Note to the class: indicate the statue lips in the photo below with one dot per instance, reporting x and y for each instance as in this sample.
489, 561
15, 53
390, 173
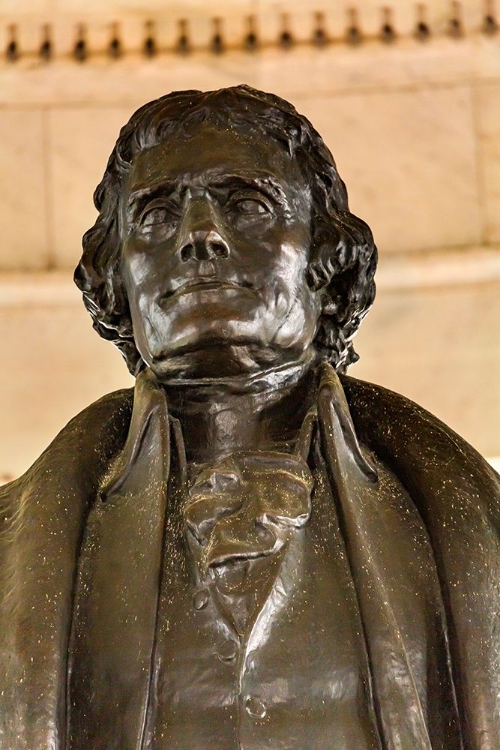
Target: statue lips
204, 285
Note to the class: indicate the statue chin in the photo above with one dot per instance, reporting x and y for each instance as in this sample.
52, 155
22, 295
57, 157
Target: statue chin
218, 360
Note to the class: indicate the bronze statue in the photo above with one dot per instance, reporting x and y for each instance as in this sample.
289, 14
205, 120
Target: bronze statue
250, 549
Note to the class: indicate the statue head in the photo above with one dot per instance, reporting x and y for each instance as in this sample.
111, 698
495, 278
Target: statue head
222, 217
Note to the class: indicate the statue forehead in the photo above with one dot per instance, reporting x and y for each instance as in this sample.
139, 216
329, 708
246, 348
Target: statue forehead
208, 149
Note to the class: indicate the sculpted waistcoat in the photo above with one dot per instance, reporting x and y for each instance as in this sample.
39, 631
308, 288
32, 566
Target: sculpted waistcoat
249, 656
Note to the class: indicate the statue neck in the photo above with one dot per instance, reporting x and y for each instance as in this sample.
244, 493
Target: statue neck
259, 412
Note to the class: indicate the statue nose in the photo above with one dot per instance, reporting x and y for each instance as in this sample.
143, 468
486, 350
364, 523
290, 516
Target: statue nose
204, 244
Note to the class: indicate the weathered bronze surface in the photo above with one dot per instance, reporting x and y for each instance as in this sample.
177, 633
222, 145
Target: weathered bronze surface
250, 550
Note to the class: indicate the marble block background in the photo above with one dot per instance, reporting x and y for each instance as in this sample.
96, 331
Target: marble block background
415, 131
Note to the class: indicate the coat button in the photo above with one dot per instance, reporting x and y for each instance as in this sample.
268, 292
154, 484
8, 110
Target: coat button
200, 599
255, 708
227, 651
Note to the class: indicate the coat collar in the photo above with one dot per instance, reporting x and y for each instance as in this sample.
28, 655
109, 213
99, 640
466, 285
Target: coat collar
118, 586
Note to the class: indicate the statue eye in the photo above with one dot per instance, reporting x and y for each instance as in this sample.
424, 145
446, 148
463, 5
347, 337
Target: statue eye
157, 215
250, 206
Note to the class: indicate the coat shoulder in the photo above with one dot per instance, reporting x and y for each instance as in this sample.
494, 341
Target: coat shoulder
411, 439
82, 450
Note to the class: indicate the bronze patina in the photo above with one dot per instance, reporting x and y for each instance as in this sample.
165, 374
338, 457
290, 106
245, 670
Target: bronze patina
250, 550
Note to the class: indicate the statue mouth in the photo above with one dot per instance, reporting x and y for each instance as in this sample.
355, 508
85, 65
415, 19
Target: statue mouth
205, 285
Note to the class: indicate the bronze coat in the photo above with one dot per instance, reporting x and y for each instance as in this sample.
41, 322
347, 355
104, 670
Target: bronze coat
91, 481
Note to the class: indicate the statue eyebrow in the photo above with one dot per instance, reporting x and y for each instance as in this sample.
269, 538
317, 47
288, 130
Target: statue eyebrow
141, 194
258, 181
262, 182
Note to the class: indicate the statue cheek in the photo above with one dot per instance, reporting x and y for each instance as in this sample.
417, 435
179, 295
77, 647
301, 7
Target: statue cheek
297, 317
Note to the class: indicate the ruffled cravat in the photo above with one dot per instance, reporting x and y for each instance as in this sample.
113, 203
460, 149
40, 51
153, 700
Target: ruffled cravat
239, 516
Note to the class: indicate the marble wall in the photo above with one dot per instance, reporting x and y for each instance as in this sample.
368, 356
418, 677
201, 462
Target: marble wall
415, 130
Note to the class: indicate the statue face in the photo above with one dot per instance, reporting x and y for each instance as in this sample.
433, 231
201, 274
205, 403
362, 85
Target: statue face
216, 237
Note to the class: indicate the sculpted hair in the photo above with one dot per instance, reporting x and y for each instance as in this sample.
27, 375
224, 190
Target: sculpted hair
343, 255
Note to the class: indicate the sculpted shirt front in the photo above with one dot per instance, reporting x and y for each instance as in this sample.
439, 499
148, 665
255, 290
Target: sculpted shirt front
260, 643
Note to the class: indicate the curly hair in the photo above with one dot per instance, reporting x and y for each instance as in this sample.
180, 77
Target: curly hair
343, 255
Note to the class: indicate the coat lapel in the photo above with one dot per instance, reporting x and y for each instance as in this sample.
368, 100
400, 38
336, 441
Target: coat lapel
458, 498
400, 608
118, 586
